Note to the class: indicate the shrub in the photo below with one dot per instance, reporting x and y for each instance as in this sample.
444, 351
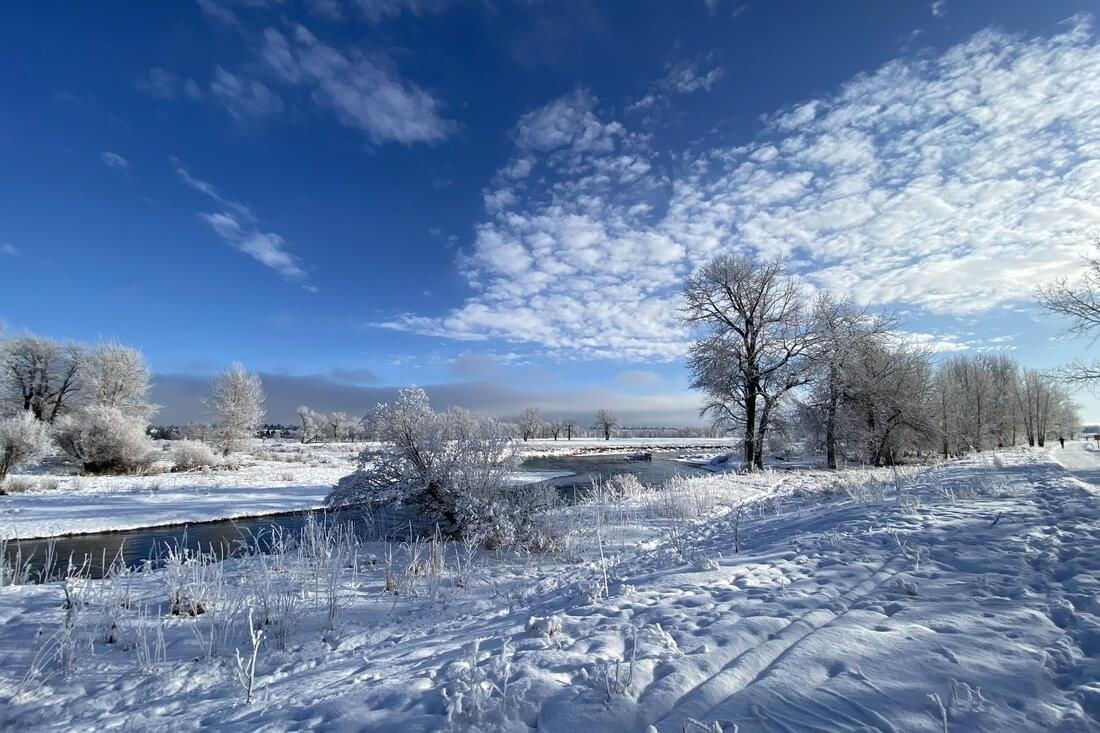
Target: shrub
191, 454
452, 466
23, 440
105, 440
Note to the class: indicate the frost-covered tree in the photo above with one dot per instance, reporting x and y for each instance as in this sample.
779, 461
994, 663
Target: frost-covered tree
452, 466
341, 426
237, 404
1045, 407
1078, 300
104, 439
112, 375
106, 432
312, 424
758, 335
24, 439
38, 375
196, 430
885, 412
606, 422
843, 332
530, 423
555, 427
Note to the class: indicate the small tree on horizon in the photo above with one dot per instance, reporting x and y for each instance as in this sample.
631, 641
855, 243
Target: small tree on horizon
570, 426
529, 423
606, 422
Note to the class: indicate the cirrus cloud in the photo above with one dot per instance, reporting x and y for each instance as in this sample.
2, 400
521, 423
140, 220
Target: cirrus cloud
364, 91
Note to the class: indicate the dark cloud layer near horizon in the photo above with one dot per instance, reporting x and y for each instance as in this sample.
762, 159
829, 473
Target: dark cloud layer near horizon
181, 399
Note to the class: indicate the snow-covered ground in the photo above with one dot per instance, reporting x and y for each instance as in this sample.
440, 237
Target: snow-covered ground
586, 446
964, 596
273, 478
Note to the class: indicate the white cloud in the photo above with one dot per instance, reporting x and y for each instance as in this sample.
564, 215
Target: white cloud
218, 11
9, 249
164, 84
379, 10
950, 184
236, 224
364, 92
567, 122
939, 8
328, 9
244, 98
683, 77
686, 78
114, 160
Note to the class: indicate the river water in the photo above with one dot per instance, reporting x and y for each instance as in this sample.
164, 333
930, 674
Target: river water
231, 536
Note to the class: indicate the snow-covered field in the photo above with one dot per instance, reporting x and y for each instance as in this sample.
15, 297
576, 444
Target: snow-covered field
964, 596
272, 478
587, 446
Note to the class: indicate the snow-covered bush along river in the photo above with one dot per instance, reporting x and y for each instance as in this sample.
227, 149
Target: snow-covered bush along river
572, 475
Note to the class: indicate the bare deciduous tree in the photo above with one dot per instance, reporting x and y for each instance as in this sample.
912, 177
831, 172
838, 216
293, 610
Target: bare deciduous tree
1079, 301
844, 331
606, 422
570, 427
759, 333
886, 401
39, 375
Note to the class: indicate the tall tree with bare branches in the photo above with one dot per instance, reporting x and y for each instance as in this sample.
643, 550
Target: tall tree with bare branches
39, 376
1079, 301
606, 422
758, 333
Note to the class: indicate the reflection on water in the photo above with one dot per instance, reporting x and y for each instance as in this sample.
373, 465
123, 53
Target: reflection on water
232, 536
586, 469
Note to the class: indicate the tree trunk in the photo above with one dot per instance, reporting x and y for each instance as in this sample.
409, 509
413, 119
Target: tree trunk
830, 432
750, 430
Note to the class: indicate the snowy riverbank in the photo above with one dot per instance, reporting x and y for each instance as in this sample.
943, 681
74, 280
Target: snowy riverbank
273, 478
964, 597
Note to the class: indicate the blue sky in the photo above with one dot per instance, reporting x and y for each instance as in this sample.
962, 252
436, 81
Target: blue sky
501, 198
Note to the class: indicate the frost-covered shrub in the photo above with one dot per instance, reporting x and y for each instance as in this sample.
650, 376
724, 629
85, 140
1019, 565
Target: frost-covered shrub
105, 440
625, 486
23, 440
452, 466
189, 455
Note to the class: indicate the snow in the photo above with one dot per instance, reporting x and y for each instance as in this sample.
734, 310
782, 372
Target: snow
274, 478
537, 447
964, 596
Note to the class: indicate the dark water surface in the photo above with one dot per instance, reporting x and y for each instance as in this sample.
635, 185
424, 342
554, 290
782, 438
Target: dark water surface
228, 537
